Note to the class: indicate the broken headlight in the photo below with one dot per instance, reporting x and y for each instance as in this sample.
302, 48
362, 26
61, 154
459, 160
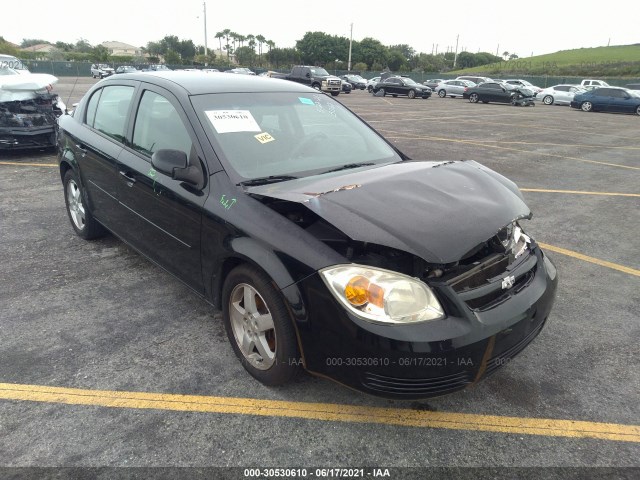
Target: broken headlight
382, 296
512, 239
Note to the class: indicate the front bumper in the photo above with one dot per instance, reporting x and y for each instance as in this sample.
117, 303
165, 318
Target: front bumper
21, 138
426, 359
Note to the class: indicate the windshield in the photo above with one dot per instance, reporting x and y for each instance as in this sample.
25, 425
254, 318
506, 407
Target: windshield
409, 81
320, 72
285, 133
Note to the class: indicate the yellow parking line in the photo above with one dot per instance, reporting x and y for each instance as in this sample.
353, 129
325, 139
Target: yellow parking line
21, 164
322, 411
579, 192
597, 261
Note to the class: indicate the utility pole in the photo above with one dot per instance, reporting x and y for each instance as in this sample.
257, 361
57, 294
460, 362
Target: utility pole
455, 57
497, 48
206, 53
350, 44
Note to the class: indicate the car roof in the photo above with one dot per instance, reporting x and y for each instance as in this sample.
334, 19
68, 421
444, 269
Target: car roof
195, 84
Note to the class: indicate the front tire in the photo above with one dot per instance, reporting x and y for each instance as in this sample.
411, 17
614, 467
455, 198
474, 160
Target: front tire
587, 106
335, 94
316, 86
259, 326
442, 93
80, 216
638, 110
473, 98
411, 94
548, 100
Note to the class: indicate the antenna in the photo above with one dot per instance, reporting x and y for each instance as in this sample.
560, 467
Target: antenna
66, 105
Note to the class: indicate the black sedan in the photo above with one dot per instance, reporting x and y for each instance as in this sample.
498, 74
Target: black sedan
491, 92
608, 99
395, 86
323, 245
356, 81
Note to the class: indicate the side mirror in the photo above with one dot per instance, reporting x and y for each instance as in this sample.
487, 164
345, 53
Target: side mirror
174, 163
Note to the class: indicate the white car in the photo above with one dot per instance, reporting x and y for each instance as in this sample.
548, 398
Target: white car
518, 82
559, 94
372, 83
101, 70
453, 88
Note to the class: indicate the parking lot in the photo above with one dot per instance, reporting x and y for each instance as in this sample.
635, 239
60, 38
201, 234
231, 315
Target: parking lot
109, 361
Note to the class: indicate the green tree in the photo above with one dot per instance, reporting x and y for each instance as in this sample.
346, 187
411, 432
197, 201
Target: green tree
246, 56
7, 48
283, 57
83, 46
260, 39
172, 57
220, 36
320, 48
372, 51
65, 47
187, 50
170, 42
30, 42
100, 53
396, 60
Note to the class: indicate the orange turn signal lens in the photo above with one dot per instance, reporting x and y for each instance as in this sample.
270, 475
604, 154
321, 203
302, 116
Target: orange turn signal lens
356, 291
360, 291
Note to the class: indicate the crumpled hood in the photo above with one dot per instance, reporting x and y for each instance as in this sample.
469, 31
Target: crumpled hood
436, 210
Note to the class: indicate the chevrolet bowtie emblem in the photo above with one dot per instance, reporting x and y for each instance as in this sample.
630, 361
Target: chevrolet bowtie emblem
507, 282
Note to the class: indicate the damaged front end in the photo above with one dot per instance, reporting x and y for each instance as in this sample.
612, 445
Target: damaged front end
30, 123
454, 227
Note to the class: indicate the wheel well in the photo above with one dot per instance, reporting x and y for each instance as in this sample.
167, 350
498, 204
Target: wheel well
64, 167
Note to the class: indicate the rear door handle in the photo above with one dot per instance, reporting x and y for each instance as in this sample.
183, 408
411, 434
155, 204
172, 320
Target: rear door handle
82, 148
129, 178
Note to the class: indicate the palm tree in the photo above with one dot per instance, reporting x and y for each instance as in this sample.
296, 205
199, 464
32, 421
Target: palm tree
227, 33
271, 44
241, 40
234, 38
219, 36
251, 41
261, 40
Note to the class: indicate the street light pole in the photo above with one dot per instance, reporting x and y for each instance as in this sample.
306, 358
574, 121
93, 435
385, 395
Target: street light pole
350, 43
206, 53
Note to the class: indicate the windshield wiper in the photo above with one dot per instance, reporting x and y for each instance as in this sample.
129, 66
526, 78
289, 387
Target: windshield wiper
349, 166
266, 180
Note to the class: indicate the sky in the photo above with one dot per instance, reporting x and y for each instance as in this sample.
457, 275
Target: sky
524, 27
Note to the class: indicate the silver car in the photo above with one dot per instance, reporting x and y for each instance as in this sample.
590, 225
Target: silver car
372, 83
559, 94
453, 88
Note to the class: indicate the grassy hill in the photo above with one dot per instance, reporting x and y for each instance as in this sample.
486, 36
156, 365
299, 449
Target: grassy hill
615, 61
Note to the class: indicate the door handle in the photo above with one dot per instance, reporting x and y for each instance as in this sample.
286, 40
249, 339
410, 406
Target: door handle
129, 178
82, 148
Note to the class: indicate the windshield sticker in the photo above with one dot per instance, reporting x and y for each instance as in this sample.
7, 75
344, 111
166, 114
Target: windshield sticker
306, 101
264, 137
228, 121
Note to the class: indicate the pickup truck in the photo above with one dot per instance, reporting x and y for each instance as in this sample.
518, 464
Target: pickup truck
315, 77
589, 83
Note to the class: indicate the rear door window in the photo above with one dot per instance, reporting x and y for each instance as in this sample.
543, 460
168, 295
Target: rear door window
112, 110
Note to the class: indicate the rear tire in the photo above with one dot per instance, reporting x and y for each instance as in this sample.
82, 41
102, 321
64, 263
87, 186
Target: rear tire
384, 94
80, 216
473, 98
259, 326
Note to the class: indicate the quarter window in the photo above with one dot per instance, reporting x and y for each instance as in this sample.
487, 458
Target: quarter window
158, 126
111, 111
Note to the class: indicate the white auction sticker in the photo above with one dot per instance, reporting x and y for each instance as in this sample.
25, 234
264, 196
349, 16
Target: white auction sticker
227, 121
